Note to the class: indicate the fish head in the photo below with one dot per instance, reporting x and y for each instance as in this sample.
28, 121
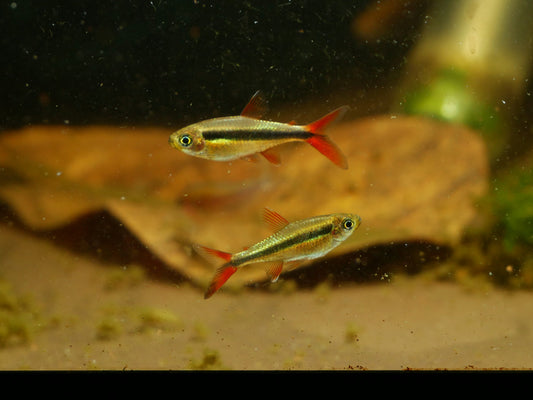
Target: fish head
344, 225
189, 140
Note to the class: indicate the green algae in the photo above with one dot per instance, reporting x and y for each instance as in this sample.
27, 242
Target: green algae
19, 317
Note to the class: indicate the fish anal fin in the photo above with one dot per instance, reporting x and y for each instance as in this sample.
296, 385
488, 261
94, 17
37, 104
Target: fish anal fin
221, 276
256, 107
274, 220
273, 270
272, 156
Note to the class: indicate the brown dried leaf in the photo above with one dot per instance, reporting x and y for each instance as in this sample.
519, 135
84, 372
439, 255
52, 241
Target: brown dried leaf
409, 179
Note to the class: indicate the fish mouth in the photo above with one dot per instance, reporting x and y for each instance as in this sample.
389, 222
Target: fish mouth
357, 221
172, 141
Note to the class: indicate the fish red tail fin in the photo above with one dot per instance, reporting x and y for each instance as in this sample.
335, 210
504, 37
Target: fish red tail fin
223, 273
322, 143
212, 255
221, 276
329, 149
320, 125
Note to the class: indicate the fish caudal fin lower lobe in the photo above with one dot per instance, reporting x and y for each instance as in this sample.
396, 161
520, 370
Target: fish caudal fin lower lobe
329, 149
221, 276
322, 143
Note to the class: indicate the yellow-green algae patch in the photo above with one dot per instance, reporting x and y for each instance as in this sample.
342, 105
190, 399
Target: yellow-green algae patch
19, 318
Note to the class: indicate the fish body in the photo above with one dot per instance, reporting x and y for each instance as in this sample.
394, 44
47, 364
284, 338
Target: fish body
245, 135
290, 244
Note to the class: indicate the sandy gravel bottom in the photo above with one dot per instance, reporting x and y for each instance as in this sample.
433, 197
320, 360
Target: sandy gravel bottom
409, 323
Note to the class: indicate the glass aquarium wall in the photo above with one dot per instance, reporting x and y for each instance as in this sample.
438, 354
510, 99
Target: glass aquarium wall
266, 185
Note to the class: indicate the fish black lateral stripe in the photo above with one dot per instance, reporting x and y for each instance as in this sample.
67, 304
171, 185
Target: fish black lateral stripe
286, 243
247, 135
290, 245
255, 134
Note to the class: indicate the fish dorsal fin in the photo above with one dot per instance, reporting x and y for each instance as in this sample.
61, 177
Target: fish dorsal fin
274, 220
256, 107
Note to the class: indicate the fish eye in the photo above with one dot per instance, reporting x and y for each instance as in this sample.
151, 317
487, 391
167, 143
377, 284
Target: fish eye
348, 224
185, 140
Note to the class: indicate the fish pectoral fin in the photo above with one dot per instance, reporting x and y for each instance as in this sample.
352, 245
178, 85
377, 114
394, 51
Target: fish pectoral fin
250, 158
273, 270
272, 156
290, 265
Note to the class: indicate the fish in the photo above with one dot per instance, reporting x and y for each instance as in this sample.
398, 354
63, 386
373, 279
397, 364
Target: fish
289, 245
246, 135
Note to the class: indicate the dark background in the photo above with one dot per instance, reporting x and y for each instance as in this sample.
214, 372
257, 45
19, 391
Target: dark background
170, 63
